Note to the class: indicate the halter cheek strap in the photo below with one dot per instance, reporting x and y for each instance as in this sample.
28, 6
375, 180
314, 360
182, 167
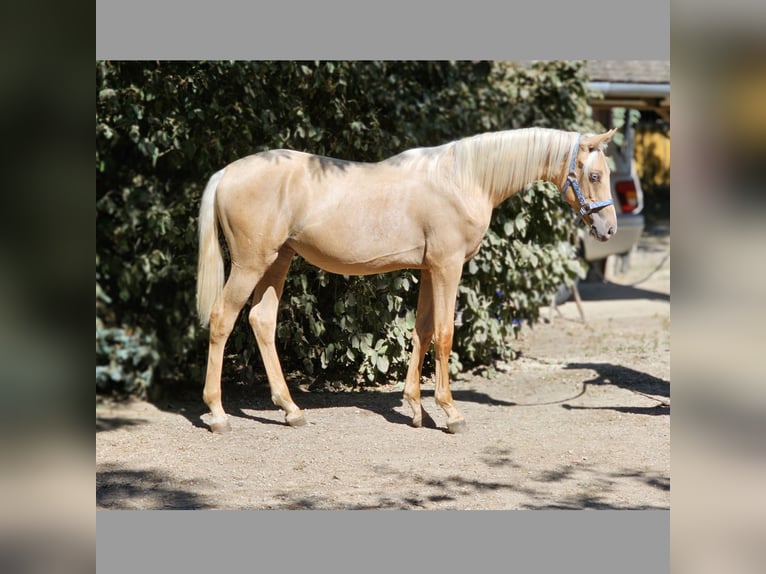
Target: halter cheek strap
586, 207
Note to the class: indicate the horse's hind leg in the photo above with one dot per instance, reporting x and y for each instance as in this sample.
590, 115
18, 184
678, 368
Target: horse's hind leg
421, 339
222, 318
263, 319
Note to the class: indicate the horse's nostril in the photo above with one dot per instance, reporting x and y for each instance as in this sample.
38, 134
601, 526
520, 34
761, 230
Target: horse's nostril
610, 232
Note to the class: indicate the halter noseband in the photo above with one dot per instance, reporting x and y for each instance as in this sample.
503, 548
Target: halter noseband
585, 206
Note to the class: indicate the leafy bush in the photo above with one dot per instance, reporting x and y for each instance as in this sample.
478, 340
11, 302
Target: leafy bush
125, 357
125, 361
163, 128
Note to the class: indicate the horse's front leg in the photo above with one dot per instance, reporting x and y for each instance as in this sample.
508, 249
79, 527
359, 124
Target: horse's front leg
445, 282
421, 339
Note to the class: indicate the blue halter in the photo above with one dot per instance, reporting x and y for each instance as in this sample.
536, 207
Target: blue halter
585, 206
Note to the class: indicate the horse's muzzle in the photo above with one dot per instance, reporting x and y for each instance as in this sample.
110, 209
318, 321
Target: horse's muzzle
602, 235
603, 224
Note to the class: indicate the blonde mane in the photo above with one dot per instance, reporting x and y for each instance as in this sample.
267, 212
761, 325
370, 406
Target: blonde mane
503, 163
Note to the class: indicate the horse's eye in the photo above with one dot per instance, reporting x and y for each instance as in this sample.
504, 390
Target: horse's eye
595, 177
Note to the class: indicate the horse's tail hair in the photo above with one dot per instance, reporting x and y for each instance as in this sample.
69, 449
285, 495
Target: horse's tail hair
210, 272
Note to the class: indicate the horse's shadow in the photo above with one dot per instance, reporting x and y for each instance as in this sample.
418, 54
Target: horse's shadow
630, 379
241, 399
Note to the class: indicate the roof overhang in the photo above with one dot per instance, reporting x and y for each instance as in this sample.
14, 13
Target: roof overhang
639, 96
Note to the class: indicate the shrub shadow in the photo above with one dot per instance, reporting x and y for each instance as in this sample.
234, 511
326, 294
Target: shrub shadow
113, 423
594, 490
125, 489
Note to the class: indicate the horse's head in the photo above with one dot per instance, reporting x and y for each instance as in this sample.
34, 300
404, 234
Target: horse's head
587, 187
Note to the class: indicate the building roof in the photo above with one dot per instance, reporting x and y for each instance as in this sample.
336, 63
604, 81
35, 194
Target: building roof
633, 71
636, 84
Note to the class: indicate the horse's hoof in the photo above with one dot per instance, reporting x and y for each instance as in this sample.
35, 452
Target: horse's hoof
295, 420
220, 427
417, 422
457, 427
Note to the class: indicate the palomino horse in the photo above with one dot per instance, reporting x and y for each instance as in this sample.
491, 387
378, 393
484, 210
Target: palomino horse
426, 209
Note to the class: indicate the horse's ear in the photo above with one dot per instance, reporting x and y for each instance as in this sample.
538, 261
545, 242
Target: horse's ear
609, 135
592, 142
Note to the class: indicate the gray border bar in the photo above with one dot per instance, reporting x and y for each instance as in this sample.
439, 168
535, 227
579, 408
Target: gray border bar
368, 541
342, 29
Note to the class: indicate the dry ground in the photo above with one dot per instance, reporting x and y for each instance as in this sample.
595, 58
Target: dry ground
580, 420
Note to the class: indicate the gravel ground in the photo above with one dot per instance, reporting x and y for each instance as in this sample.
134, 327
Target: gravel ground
580, 420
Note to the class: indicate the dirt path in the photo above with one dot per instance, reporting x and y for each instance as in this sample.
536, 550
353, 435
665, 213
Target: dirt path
581, 420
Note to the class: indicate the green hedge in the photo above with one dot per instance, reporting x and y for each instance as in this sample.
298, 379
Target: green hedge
163, 128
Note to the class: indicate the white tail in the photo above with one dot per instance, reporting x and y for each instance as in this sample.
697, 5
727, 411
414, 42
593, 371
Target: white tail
210, 273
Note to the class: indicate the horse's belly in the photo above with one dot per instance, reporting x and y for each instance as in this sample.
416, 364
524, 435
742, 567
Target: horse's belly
358, 257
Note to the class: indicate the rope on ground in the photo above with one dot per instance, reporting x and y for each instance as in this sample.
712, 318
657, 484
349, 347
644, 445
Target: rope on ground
643, 280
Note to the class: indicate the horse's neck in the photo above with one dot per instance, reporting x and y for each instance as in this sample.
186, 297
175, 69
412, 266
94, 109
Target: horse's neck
504, 194
501, 191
